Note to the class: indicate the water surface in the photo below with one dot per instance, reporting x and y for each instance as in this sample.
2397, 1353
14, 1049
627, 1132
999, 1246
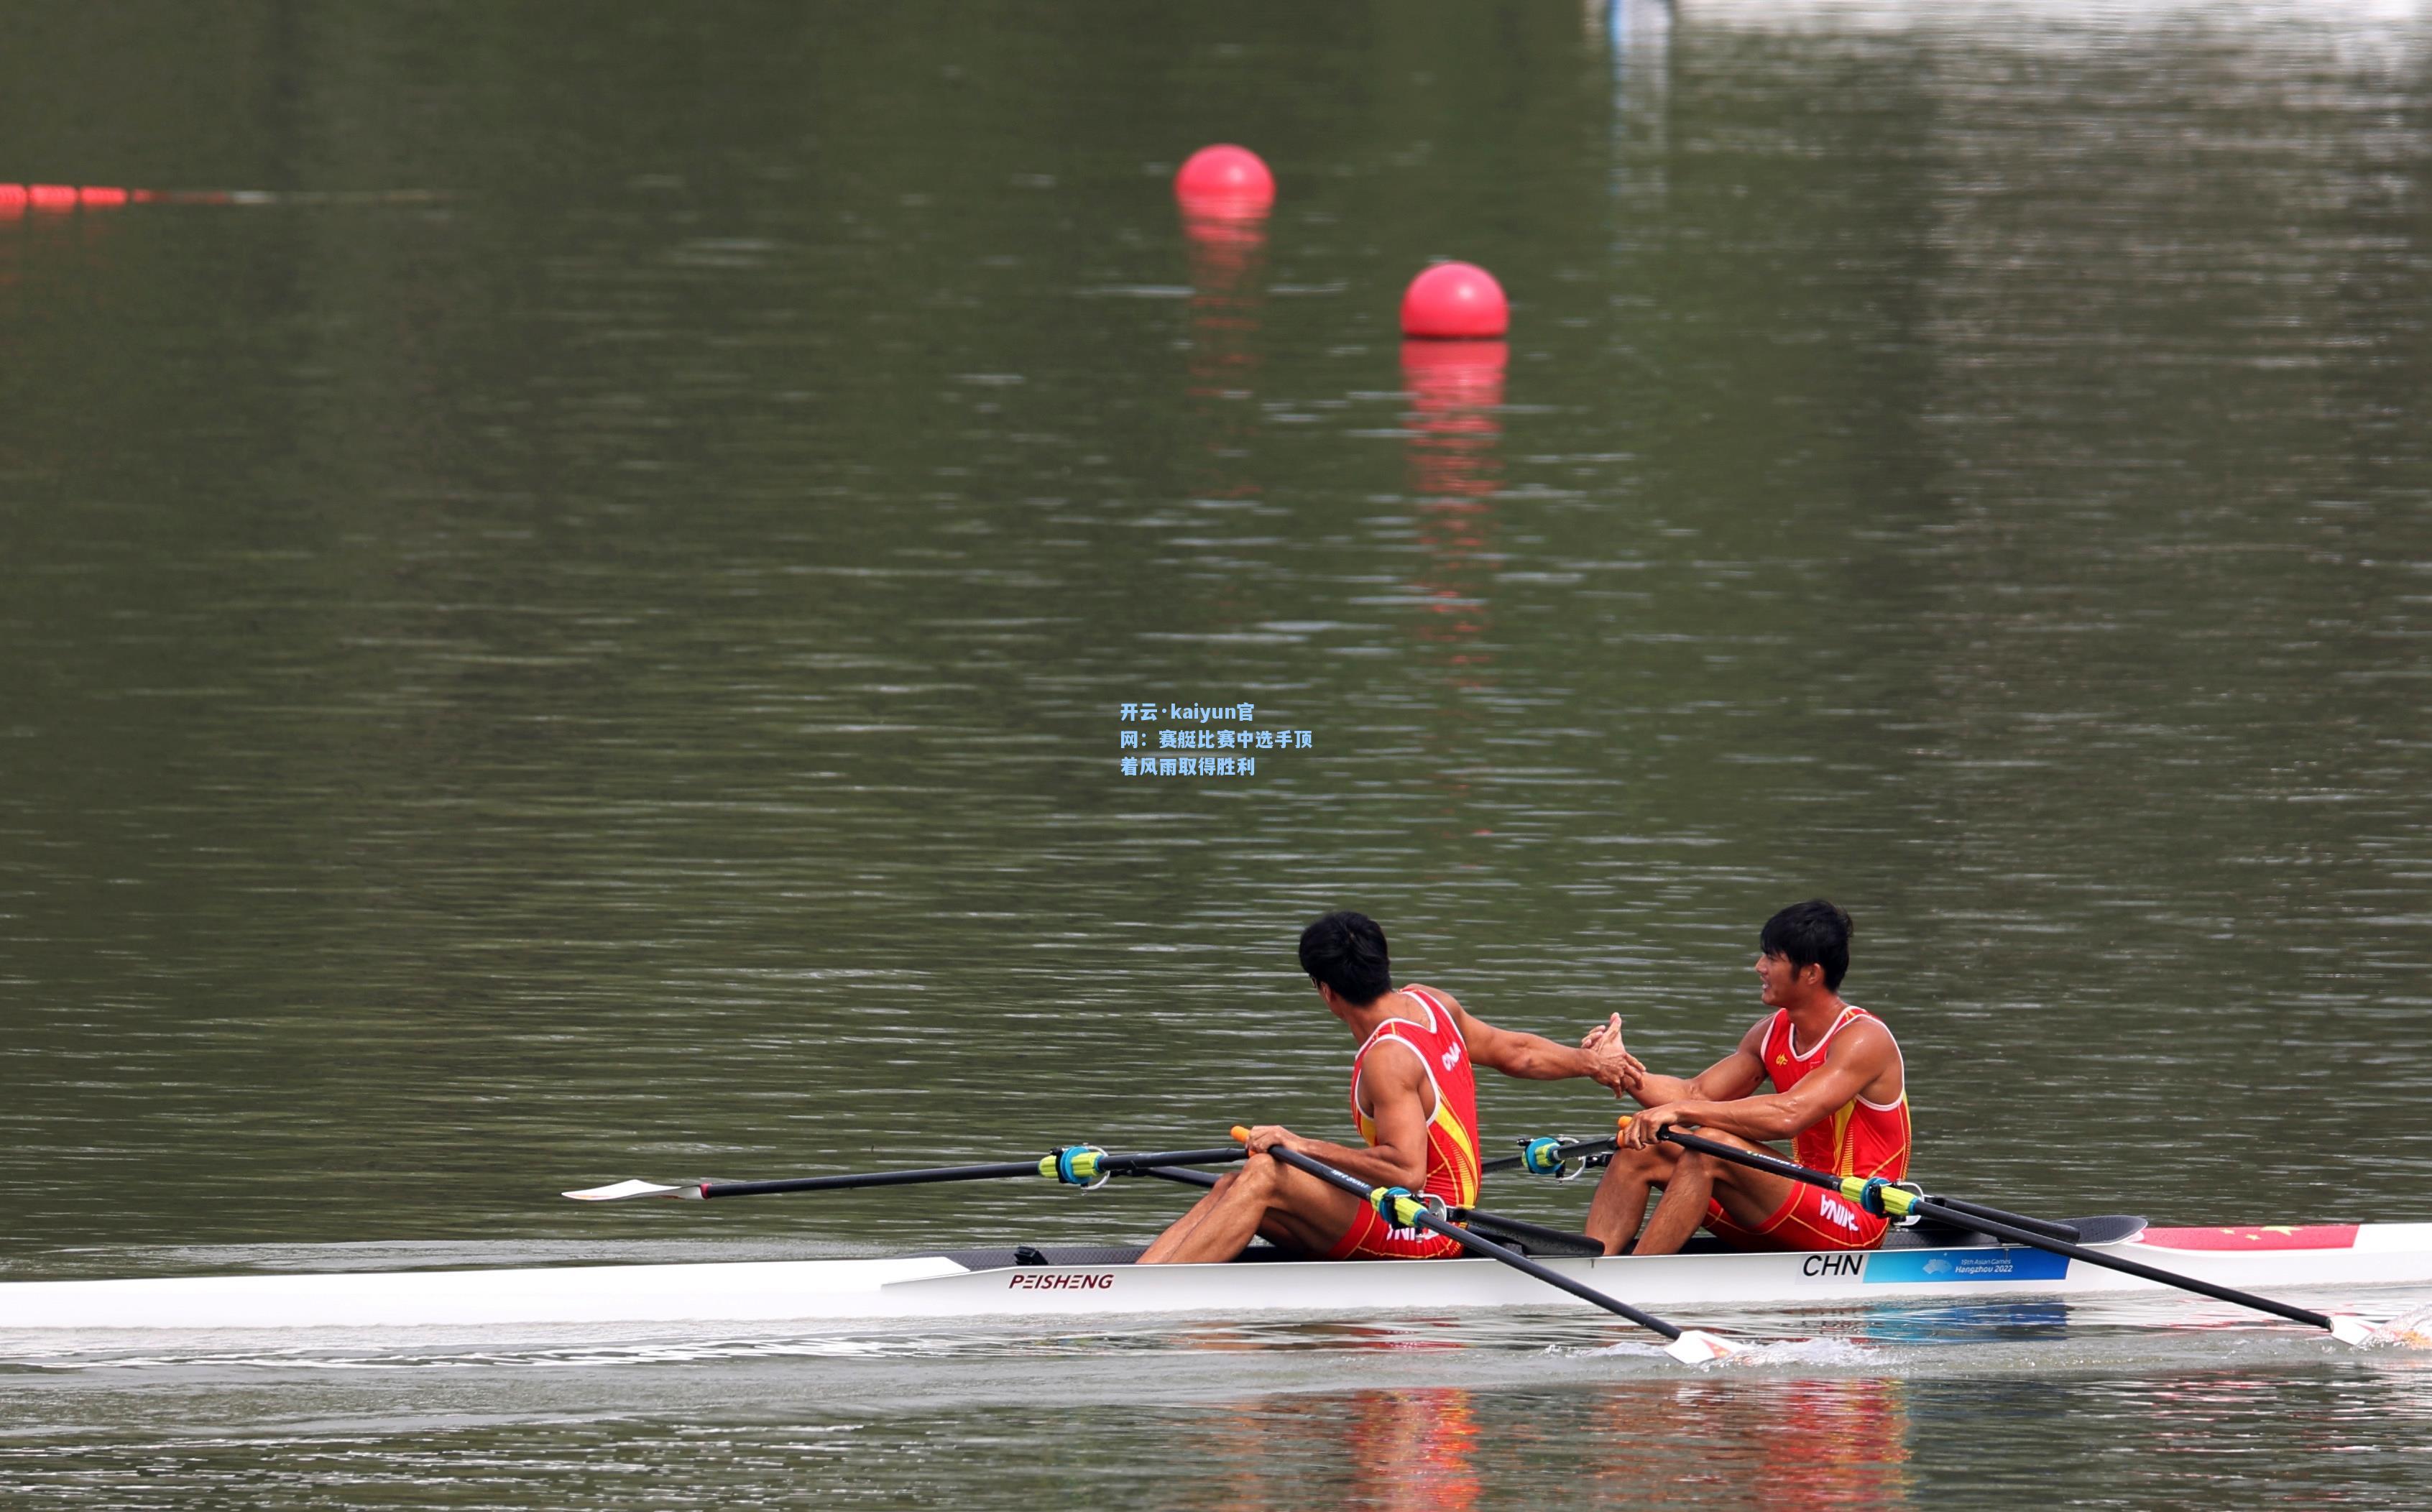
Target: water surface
586, 637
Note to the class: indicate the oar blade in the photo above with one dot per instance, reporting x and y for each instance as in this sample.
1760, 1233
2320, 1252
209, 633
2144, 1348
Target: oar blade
1696, 1347
2356, 1331
619, 1191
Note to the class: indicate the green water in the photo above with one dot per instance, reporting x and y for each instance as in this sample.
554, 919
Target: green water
587, 636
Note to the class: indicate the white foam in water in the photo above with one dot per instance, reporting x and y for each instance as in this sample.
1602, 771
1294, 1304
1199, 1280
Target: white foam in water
1751, 1353
2408, 1330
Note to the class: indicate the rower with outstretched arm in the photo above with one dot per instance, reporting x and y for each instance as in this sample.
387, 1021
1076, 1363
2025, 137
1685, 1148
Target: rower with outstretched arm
1416, 1103
1840, 1095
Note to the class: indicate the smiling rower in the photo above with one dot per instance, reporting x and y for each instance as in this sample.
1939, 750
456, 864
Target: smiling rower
1414, 1098
1840, 1095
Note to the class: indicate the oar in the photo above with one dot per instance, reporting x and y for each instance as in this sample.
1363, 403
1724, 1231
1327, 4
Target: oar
1546, 1156
1881, 1197
1073, 1165
1403, 1210
1497, 1225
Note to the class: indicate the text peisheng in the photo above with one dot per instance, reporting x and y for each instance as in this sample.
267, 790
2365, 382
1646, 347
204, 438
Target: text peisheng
1032, 1281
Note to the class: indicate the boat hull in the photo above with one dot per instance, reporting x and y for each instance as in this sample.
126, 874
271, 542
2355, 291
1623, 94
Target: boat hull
942, 1286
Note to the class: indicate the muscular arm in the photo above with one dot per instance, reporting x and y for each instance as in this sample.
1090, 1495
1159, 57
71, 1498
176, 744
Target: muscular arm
1397, 1092
1534, 1058
1861, 1055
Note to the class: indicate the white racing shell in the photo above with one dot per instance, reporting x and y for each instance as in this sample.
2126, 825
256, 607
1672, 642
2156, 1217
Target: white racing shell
2269, 1259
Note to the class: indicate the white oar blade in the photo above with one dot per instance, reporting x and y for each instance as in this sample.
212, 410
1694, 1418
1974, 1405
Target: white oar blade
2356, 1331
621, 1191
1695, 1348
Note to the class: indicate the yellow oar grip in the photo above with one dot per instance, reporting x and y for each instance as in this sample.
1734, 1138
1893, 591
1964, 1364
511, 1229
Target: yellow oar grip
1896, 1200
1396, 1206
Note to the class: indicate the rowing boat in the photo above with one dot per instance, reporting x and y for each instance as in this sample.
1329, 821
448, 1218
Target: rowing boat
1067, 1283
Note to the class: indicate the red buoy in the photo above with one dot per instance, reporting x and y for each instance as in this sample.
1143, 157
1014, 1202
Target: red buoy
51, 197
1225, 180
1455, 301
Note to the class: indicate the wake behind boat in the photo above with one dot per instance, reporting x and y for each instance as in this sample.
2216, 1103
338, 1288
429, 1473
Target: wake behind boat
1926, 1262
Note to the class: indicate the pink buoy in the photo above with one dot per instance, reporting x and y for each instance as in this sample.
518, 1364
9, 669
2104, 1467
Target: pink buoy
1455, 301
1225, 180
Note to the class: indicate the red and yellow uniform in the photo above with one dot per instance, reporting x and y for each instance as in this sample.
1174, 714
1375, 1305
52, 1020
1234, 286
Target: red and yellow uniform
1452, 1132
1859, 1139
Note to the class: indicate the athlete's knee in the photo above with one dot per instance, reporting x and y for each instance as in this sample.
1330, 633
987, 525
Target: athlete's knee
1258, 1173
1655, 1160
1730, 1172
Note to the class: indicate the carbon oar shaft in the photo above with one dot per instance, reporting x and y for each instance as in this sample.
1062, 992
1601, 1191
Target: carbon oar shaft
1994, 1229
1570, 1150
1758, 1159
1075, 1165
1107, 1164
1687, 1345
999, 1171
2012, 1233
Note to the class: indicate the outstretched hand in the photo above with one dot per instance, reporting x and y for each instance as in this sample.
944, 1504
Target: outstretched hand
1608, 1060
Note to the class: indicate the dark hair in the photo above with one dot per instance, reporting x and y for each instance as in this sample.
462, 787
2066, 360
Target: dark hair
1346, 952
1811, 933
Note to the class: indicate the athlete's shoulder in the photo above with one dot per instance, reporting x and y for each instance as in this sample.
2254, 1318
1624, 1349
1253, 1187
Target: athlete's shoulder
1394, 1069
1864, 1034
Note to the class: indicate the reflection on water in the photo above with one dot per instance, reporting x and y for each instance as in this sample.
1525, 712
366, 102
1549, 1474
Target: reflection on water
1811, 1443
1454, 389
1227, 260
1824, 1444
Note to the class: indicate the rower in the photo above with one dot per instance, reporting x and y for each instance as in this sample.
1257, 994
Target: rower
1840, 1095
1412, 1097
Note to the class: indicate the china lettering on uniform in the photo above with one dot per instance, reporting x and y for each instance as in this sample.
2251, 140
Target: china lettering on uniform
1838, 1214
1032, 1281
